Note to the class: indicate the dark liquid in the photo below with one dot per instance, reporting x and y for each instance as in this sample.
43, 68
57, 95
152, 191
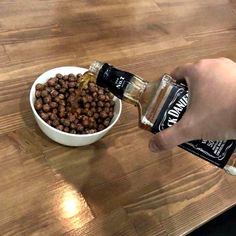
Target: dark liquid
83, 84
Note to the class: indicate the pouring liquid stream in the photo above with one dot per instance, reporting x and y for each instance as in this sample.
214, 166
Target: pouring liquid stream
83, 84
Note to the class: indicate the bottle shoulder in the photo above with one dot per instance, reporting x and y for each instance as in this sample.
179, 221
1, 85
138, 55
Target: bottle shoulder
153, 99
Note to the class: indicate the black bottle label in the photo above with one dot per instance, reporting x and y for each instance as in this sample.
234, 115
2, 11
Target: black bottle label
216, 152
113, 79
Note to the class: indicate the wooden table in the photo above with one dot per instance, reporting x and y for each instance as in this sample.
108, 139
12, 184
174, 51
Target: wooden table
115, 186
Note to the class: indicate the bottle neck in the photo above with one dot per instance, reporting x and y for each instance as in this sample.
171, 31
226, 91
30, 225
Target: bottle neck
122, 84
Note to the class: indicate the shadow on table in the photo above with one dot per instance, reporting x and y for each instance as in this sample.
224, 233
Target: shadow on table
90, 170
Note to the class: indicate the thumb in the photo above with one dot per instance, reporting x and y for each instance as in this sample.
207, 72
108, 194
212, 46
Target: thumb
169, 138
180, 73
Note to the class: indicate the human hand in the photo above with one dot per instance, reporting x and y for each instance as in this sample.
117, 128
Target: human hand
211, 112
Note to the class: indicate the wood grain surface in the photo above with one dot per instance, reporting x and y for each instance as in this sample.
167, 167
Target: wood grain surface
115, 186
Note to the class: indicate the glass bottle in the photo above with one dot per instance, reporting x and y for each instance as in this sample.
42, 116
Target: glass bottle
161, 104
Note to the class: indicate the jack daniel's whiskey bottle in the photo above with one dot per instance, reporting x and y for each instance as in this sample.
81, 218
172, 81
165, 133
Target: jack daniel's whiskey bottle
161, 104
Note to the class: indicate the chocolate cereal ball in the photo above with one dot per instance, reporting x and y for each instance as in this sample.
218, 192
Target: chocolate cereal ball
63, 105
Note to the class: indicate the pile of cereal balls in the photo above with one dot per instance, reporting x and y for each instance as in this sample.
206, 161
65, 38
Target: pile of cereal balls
55, 104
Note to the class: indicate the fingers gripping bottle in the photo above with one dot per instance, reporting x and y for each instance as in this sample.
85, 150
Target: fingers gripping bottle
161, 104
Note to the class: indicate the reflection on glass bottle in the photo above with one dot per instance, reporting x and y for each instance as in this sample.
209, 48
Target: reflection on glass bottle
161, 104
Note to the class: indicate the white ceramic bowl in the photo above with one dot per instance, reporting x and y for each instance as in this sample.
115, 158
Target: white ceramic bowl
62, 137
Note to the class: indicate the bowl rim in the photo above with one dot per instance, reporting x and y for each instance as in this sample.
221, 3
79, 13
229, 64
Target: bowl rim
59, 131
